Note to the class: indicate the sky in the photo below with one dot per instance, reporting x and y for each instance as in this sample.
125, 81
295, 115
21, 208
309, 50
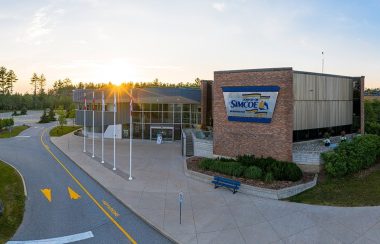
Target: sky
178, 41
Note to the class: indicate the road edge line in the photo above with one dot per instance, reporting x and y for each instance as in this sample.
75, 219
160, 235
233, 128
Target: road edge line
129, 237
22, 177
163, 232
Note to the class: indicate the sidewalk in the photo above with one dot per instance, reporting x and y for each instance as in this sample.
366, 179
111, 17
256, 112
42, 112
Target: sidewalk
212, 215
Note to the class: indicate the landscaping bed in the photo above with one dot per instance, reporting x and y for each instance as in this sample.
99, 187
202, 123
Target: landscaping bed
193, 164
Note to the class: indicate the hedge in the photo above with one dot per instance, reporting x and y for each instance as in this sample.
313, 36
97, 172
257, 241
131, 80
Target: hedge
352, 156
248, 166
6, 123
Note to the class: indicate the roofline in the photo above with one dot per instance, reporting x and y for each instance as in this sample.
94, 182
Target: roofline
329, 75
254, 70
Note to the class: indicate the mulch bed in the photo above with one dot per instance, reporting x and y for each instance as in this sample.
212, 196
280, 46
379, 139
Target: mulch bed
193, 164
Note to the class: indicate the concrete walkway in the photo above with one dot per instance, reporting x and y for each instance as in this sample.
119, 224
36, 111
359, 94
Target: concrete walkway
209, 215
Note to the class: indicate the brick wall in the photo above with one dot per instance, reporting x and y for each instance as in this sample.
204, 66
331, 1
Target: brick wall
238, 138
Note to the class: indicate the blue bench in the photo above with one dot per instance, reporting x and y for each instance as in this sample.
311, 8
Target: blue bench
227, 183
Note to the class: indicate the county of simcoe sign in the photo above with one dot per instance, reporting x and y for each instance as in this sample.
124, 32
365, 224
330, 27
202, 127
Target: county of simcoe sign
250, 103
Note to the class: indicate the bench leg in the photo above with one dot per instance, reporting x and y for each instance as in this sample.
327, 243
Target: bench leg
234, 191
216, 186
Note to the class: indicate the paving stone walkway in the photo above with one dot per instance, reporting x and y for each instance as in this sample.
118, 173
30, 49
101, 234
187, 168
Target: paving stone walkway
212, 215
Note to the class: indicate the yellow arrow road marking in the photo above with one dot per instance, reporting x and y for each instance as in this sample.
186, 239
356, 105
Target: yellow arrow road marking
87, 192
73, 194
47, 193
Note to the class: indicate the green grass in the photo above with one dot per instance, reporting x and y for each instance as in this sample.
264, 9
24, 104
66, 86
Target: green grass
12, 196
62, 130
352, 191
16, 130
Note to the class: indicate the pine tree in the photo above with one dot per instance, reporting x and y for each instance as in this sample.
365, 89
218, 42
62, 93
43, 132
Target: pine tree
41, 84
11, 78
3, 80
34, 82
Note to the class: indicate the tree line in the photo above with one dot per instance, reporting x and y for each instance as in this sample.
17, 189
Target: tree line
60, 95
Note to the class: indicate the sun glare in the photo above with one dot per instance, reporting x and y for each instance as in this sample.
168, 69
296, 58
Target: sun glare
116, 72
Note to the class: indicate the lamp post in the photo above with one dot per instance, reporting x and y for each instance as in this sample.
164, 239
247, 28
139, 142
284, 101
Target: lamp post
130, 135
84, 123
114, 130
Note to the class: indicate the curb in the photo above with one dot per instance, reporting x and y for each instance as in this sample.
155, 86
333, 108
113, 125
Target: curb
22, 177
254, 190
163, 232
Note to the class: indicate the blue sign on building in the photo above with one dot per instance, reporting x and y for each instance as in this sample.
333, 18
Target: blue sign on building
250, 103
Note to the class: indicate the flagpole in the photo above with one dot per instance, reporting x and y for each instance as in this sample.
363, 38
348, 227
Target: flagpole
114, 131
103, 107
130, 136
84, 123
323, 61
93, 124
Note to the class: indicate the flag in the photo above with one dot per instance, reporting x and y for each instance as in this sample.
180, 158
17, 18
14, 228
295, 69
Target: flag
85, 102
103, 105
114, 103
93, 100
131, 106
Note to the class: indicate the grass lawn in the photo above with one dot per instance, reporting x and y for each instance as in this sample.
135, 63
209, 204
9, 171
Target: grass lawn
62, 130
358, 190
16, 130
12, 196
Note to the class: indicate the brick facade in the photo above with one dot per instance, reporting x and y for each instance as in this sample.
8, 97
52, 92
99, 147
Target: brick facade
239, 138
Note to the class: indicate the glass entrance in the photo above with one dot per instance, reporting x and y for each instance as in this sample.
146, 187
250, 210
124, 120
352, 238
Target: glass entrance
166, 132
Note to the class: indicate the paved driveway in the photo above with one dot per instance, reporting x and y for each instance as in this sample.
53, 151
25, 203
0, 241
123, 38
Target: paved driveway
209, 215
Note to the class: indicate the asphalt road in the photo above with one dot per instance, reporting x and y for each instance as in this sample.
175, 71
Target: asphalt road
96, 213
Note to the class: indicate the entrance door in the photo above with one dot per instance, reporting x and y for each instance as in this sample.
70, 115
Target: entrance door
166, 132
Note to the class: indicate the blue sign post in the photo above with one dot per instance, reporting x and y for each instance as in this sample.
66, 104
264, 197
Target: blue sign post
180, 199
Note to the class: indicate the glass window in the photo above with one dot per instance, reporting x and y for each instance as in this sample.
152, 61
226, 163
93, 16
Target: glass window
185, 117
136, 116
146, 106
177, 117
146, 117
136, 107
177, 107
156, 117
155, 107
165, 107
168, 117
186, 107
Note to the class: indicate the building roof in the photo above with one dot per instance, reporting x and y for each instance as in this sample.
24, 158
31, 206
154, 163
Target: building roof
143, 95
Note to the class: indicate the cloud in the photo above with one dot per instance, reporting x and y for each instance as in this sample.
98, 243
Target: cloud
219, 7
43, 22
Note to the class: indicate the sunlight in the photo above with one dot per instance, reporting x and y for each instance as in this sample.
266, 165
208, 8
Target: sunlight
116, 71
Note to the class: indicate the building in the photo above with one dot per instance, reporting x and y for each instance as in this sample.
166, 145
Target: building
257, 111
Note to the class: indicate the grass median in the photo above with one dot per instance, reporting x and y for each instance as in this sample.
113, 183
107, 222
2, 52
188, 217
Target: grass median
13, 199
15, 131
62, 130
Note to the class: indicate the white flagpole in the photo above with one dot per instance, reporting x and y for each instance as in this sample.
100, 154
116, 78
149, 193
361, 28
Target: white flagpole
103, 108
114, 131
130, 136
84, 123
93, 125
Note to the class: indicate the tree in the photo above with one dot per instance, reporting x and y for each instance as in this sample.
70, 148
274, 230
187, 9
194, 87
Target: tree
34, 82
61, 117
3, 80
11, 78
197, 82
41, 84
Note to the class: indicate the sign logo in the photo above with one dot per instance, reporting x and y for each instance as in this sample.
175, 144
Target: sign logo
250, 103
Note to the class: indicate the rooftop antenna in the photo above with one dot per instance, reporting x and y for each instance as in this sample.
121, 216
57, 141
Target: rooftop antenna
323, 61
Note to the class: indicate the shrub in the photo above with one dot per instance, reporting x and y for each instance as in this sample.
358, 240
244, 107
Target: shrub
206, 163
268, 177
350, 157
246, 160
291, 172
253, 172
23, 111
6, 123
